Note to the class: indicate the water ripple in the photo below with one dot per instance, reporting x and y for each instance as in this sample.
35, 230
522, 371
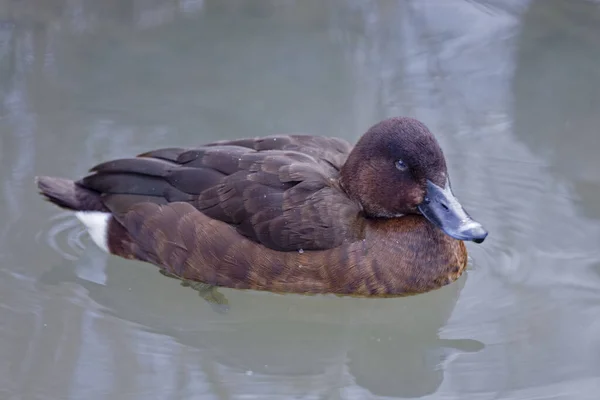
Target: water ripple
64, 235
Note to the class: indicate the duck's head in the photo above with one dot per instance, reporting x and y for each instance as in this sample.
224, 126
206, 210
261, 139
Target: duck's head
398, 168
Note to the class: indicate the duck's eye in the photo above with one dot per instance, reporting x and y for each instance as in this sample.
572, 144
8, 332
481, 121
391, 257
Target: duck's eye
401, 165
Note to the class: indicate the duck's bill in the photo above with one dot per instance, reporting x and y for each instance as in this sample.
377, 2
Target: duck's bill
443, 210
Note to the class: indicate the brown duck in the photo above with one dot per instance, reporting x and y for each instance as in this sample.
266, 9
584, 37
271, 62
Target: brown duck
295, 213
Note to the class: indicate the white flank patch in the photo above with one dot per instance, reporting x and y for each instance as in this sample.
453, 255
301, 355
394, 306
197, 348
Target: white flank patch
96, 223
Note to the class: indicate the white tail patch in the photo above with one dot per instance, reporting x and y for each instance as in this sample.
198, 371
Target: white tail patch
96, 223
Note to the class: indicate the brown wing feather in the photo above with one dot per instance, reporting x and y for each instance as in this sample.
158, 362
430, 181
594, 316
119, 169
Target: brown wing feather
280, 191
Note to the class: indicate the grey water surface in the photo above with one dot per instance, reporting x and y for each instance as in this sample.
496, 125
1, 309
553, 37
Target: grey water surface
512, 91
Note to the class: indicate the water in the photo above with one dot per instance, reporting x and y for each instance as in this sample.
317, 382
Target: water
512, 91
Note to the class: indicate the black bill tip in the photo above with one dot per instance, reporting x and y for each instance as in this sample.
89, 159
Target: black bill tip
473, 231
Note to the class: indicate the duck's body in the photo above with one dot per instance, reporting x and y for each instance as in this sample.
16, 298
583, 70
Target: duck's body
302, 214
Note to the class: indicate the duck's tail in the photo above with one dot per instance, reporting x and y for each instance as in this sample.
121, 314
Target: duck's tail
67, 194
86, 203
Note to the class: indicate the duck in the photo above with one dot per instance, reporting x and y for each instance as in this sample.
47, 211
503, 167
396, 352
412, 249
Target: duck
286, 213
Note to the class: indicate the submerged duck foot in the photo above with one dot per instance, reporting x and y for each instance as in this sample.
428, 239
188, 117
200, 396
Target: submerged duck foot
211, 295
208, 292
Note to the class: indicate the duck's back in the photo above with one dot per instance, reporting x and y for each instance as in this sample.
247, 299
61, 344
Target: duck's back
279, 191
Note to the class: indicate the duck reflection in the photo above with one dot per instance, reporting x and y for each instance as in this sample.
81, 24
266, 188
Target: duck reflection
385, 347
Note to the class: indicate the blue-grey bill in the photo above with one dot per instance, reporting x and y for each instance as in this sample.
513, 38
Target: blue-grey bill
443, 210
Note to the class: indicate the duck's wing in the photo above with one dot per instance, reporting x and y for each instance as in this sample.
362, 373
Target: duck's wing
280, 191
